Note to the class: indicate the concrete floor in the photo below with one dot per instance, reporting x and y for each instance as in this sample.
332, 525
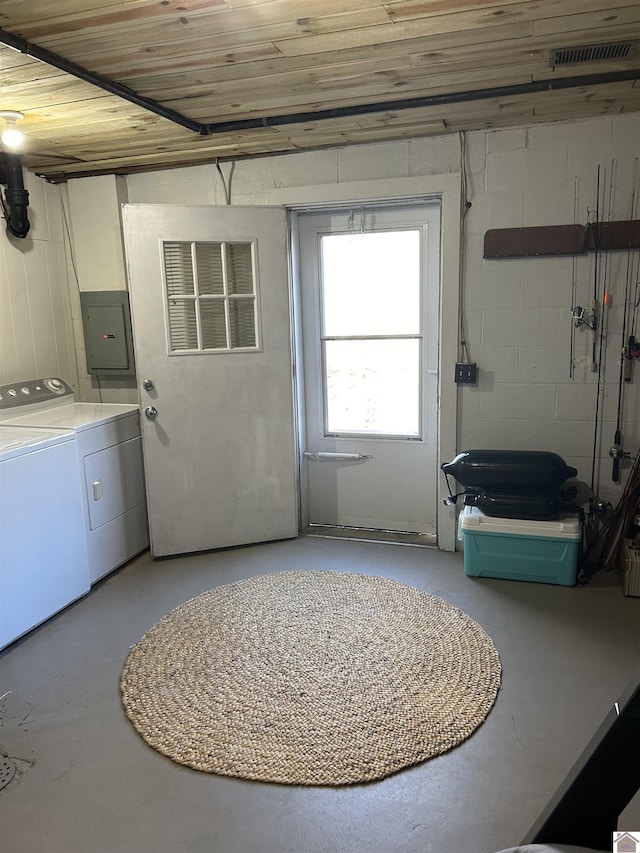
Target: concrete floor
89, 784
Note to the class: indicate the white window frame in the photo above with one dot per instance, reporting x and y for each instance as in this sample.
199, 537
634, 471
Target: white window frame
447, 187
198, 298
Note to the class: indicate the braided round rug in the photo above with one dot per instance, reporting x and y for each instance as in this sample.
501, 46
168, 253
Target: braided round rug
310, 678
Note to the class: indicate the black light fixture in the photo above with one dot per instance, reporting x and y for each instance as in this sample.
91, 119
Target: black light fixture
15, 200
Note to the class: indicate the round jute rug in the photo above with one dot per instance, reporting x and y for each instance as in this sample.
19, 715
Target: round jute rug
310, 678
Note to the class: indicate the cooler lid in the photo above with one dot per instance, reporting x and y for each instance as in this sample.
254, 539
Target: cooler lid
562, 527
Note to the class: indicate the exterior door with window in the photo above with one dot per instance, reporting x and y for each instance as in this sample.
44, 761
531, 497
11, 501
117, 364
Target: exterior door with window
210, 306
370, 293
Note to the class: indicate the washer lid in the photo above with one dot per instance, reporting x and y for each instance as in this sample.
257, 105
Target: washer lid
17, 440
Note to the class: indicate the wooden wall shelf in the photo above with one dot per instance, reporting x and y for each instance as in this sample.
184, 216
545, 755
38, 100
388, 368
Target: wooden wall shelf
556, 240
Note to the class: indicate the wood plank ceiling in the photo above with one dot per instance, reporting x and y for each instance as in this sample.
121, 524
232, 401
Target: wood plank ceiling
253, 77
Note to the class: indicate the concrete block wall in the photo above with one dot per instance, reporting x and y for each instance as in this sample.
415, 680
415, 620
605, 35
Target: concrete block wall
517, 313
250, 181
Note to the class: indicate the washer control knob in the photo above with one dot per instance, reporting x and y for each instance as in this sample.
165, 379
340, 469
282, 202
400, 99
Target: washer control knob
151, 412
54, 385
148, 385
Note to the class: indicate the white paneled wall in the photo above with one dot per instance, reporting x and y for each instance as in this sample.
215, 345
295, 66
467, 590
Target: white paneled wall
36, 336
517, 312
40, 319
94, 217
96, 224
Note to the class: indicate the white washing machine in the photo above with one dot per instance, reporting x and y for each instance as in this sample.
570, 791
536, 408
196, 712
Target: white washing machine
44, 564
110, 451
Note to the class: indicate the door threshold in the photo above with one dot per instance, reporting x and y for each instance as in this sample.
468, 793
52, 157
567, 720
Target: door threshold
365, 534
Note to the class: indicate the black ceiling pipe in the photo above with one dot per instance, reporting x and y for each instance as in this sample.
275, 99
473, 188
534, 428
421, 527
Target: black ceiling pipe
114, 88
515, 90
209, 129
16, 198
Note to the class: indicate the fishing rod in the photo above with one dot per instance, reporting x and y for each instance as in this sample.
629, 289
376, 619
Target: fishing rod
574, 284
577, 311
616, 452
633, 350
604, 326
603, 547
594, 304
636, 296
593, 325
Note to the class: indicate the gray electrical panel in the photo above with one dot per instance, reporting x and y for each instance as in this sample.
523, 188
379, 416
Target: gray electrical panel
106, 320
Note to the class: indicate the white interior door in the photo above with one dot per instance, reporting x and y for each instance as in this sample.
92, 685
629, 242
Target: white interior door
370, 287
210, 307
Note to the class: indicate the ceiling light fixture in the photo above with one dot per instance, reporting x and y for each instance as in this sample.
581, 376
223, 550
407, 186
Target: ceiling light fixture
11, 136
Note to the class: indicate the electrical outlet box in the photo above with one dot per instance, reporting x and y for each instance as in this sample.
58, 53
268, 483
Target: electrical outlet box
466, 374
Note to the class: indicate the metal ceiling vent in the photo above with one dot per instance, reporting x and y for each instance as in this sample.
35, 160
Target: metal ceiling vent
614, 50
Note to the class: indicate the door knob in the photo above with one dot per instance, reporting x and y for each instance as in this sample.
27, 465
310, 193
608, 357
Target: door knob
148, 385
151, 412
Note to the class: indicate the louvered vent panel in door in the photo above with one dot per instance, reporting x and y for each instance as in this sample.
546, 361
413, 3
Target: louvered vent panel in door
180, 293
209, 267
242, 323
178, 268
211, 284
240, 268
183, 329
214, 327
211, 307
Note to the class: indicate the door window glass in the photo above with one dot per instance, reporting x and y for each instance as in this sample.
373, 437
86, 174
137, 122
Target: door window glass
371, 283
373, 386
371, 332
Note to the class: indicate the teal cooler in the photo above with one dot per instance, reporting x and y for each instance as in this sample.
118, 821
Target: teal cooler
520, 550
